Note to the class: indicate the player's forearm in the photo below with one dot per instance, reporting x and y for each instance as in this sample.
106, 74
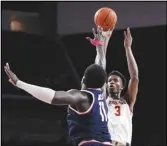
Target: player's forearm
100, 57
132, 65
101, 54
106, 45
41, 93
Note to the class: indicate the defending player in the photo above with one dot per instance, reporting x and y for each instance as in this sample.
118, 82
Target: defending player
87, 113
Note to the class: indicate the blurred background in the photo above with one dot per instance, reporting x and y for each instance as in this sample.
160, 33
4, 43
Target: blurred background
44, 42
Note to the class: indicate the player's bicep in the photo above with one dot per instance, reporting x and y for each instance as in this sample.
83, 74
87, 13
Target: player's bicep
66, 98
133, 90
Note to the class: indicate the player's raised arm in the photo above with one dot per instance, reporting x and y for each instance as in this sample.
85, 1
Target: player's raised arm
132, 67
45, 94
100, 40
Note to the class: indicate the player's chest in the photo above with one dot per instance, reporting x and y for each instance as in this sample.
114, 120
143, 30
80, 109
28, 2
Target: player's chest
118, 108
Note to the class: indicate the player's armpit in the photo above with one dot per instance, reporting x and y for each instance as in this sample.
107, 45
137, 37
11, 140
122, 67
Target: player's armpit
68, 98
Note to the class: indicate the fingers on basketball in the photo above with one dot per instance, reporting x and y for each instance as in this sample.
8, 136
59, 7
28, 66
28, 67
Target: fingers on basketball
99, 31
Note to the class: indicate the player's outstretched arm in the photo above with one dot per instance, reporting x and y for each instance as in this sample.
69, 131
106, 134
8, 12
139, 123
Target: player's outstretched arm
45, 94
132, 67
100, 40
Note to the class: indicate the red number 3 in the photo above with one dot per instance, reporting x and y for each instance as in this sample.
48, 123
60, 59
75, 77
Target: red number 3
118, 113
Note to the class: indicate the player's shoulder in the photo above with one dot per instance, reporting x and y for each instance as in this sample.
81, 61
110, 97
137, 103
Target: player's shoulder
86, 92
72, 90
78, 93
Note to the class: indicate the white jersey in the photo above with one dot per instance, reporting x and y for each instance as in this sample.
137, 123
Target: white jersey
119, 120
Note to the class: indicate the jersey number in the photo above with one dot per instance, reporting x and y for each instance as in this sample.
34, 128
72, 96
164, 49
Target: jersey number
102, 111
118, 112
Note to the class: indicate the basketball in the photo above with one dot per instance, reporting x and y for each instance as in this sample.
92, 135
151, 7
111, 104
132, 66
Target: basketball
106, 18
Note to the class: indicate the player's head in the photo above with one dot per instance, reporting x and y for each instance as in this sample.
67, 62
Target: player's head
94, 76
116, 82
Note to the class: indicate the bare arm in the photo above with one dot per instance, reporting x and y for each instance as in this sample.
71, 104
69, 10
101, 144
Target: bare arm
100, 57
73, 97
45, 94
101, 53
133, 69
101, 49
50, 96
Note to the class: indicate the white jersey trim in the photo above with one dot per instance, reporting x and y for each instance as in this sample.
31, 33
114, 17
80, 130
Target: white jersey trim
89, 141
90, 108
96, 89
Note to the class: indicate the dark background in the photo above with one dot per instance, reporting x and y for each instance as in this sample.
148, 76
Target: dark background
59, 62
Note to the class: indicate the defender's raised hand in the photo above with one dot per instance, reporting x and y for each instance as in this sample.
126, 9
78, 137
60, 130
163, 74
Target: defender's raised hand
100, 36
12, 77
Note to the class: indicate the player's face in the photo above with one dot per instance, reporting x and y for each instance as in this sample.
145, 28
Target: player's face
114, 84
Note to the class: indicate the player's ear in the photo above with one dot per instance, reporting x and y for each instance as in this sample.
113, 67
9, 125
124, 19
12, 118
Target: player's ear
121, 88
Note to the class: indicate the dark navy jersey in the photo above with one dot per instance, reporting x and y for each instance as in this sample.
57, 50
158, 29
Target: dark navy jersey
91, 124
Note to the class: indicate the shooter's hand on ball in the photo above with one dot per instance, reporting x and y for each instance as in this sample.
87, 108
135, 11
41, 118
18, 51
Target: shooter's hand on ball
12, 77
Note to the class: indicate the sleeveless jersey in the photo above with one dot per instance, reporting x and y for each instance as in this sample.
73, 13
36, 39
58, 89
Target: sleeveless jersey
119, 120
92, 124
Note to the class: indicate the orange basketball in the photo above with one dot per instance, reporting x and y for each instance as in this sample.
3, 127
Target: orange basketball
105, 18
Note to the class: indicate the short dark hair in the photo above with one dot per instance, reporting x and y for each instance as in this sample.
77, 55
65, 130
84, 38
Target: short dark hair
117, 73
95, 76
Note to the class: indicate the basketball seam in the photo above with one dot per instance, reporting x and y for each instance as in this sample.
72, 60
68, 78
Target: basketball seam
111, 22
106, 18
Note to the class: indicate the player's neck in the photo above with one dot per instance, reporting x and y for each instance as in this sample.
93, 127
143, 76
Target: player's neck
115, 95
83, 87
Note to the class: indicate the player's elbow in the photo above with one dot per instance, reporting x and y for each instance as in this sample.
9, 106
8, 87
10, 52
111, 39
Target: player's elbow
135, 78
134, 74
